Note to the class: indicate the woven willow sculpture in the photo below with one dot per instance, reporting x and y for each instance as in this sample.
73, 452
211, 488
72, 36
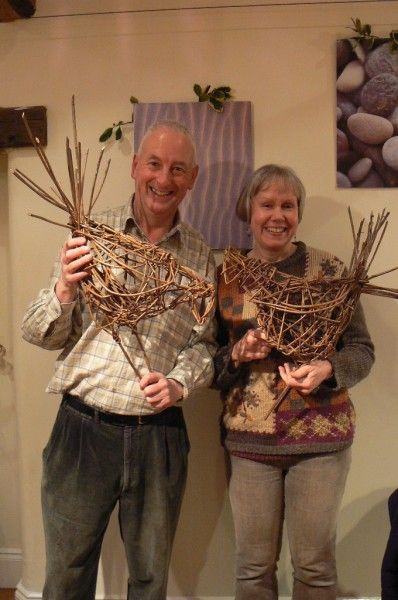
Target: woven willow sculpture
129, 279
304, 318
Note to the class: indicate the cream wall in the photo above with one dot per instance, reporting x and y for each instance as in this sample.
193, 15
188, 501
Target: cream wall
10, 534
282, 59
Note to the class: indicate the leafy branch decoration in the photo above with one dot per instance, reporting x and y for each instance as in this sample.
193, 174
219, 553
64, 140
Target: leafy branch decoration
365, 35
215, 98
116, 128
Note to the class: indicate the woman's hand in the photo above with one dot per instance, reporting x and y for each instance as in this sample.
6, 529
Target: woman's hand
252, 346
306, 378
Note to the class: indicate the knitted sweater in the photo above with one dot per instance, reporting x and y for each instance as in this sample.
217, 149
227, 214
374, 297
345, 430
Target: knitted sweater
320, 422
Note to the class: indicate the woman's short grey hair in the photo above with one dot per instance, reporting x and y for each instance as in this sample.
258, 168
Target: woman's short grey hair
175, 126
262, 178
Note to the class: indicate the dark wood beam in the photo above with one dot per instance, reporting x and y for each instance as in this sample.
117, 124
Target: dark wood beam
13, 132
10, 10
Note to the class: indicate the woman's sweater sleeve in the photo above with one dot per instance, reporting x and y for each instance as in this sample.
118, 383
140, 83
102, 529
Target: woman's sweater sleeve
354, 355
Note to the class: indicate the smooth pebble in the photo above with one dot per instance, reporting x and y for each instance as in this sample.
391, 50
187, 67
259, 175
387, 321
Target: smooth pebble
370, 129
390, 152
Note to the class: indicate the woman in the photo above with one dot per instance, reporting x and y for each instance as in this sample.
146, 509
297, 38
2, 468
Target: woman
293, 465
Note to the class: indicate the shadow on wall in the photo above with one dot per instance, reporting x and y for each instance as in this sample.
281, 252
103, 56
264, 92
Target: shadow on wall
326, 225
360, 552
204, 544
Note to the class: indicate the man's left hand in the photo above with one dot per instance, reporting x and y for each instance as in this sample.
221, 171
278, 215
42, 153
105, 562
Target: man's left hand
161, 392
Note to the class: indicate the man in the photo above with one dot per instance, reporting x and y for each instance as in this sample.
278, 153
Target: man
118, 439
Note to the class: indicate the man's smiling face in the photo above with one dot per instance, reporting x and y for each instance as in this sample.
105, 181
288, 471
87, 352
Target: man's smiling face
163, 171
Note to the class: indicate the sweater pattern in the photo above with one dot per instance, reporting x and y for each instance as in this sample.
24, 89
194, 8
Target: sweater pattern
321, 422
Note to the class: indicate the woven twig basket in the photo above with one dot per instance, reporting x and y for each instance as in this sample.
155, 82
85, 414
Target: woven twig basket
129, 279
304, 318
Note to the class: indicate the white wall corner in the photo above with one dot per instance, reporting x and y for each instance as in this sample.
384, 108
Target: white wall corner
22, 593
10, 567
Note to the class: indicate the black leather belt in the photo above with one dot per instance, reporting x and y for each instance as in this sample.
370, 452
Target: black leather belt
169, 416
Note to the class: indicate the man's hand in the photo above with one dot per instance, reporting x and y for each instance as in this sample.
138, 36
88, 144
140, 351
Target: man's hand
160, 392
306, 378
75, 258
252, 346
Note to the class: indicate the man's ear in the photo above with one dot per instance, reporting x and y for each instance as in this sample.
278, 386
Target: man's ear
194, 175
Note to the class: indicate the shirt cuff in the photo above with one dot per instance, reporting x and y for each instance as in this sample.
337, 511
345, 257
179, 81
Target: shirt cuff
185, 392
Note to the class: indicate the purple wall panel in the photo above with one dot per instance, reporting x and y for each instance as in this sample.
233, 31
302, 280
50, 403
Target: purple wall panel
225, 157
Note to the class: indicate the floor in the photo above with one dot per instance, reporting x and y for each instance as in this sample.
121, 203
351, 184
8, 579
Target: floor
7, 594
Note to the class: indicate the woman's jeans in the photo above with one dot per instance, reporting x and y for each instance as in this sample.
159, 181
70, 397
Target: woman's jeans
308, 497
89, 466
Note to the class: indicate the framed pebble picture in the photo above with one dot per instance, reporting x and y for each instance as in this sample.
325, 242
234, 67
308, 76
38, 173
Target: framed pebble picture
224, 144
367, 114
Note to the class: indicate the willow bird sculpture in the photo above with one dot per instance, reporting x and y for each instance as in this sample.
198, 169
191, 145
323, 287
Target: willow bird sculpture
129, 279
304, 318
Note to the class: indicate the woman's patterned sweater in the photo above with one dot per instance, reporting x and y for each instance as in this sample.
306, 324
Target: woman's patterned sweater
321, 422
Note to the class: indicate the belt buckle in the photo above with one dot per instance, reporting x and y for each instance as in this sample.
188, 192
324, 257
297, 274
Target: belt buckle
140, 420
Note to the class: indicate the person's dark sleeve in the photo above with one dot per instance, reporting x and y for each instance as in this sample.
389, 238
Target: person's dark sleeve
225, 374
389, 567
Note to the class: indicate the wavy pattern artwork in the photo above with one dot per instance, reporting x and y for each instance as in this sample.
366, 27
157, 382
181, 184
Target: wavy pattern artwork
225, 158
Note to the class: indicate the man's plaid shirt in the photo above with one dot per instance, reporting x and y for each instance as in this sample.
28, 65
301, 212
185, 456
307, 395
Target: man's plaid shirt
92, 365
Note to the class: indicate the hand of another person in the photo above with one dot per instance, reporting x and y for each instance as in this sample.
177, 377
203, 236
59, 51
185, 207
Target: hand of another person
252, 346
306, 378
75, 258
159, 391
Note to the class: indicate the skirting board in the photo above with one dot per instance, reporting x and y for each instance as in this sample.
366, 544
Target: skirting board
23, 594
10, 567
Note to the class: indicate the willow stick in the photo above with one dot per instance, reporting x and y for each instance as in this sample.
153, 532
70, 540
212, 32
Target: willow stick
102, 183
37, 189
91, 203
43, 157
128, 358
49, 221
277, 402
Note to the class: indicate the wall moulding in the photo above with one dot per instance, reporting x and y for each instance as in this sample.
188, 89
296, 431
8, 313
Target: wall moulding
10, 567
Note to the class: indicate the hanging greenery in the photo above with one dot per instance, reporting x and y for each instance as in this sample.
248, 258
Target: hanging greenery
215, 97
368, 39
116, 128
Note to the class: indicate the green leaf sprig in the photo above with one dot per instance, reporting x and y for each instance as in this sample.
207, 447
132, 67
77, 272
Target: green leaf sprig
365, 35
116, 128
215, 97
394, 40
